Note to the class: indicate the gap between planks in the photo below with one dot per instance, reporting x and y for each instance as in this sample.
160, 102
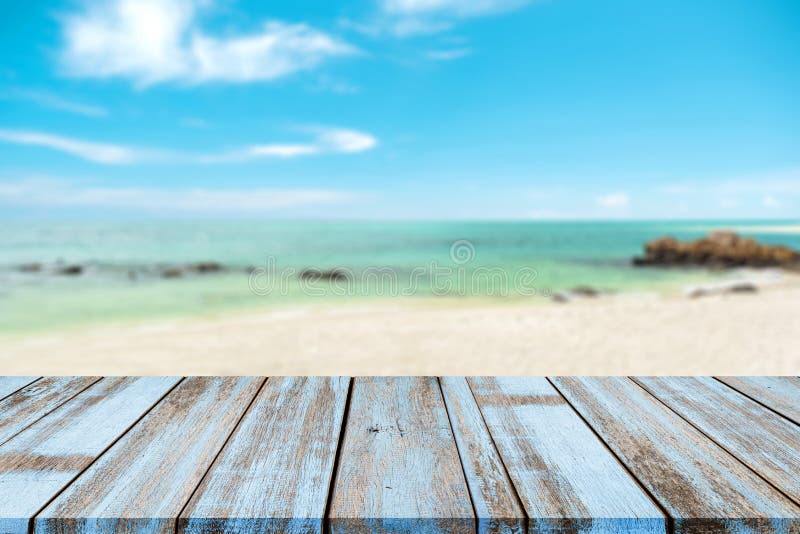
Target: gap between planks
32, 519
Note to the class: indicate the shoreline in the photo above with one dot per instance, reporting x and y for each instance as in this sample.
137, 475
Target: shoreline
626, 333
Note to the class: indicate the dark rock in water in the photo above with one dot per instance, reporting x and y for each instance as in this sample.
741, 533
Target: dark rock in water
172, 272
317, 274
584, 291
722, 249
742, 287
30, 268
722, 289
71, 270
205, 267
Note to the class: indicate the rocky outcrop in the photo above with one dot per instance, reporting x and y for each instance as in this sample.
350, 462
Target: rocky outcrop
71, 270
317, 274
205, 267
722, 249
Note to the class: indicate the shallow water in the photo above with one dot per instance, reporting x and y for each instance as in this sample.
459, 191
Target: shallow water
124, 261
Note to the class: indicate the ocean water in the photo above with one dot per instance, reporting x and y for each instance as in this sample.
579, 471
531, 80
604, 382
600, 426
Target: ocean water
124, 263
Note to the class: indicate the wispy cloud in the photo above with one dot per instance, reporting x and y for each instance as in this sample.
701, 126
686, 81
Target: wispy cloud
455, 8
88, 150
448, 54
407, 18
613, 200
154, 41
324, 141
51, 101
55, 194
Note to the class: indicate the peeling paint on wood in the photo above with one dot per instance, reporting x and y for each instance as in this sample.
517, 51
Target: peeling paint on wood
409, 454
762, 439
274, 473
781, 393
152, 471
36, 464
10, 384
399, 469
567, 479
702, 487
34, 401
496, 505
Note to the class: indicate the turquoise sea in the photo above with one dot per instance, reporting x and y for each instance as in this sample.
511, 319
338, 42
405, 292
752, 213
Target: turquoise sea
123, 264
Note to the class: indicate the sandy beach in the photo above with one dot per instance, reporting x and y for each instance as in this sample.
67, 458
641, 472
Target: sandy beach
615, 334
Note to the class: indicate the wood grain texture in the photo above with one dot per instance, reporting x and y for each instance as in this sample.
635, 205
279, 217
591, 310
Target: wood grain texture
34, 401
567, 479
399, 469
766, 442
702, 487
10, 384
497, 507
274, 474
142, 483
781, 393
40, 461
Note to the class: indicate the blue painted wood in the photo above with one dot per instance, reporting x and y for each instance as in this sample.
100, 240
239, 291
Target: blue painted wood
24, 407
567, 479
39, 462
701, 486
494, 499
766, 442
781, 393
399, 469
10, 384
142, 483
275, 472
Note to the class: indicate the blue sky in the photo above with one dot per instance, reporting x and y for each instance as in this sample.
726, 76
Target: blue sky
401, 109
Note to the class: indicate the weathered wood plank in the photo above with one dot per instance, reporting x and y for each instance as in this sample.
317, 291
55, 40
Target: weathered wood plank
399, 469
781, 393
10, 384
34, 401
758, 437
496, 504
142, 483
702, 487
40, 461
567, 479
275, 472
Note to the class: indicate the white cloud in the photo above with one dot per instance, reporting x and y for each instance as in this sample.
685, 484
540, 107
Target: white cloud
343, 140
613, 200
770, 202
459, 8
154, 41
324, 141
88, 150
54, 194
50, 101
448, 55
408, 18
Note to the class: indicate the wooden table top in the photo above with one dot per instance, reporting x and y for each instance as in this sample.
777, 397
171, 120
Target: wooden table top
400, 454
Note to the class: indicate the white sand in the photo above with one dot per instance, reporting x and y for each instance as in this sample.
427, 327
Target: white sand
627, 334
